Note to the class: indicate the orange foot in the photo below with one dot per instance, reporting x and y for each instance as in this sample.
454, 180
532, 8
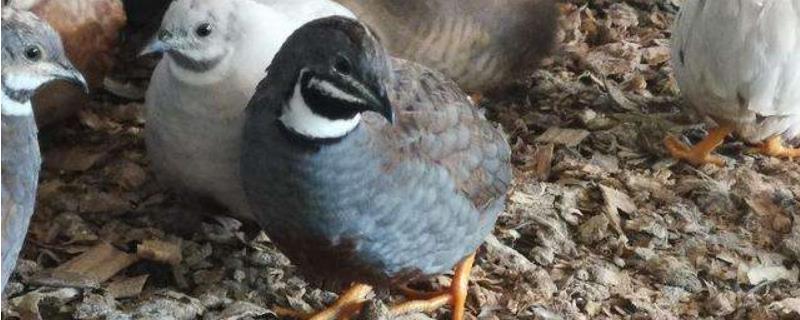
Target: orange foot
347, 306
774, 147
700, 154
456, 295
476, 98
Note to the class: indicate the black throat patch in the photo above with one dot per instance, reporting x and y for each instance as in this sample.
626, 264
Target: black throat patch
190, 64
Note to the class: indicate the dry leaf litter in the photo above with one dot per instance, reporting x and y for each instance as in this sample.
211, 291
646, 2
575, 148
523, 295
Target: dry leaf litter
599, 224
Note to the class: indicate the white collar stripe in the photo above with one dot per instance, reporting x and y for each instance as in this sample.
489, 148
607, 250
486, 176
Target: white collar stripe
333, 91
301, 119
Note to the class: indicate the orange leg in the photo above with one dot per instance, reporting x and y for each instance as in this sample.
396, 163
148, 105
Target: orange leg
414, 294
347, 306
700, 154
457, 295
476, 98
774, 147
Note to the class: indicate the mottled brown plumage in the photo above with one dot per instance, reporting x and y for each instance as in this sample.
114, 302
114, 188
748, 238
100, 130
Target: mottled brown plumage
482, 44
436, 121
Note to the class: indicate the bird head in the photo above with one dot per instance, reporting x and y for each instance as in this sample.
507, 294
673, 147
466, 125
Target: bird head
32, 56
197, 35
331, 70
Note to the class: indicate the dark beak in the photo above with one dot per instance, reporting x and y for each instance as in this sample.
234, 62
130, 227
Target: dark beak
385, 108
380, 103
65, 71
159, 43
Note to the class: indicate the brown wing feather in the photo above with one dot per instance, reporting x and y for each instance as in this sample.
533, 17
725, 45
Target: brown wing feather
436, 121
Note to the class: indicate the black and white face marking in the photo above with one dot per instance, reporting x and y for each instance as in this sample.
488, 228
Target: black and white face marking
326, 74
319, 109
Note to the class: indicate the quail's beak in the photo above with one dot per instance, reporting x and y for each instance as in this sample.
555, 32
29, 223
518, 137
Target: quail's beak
64, 70
158, 44
378, 101
155, 46
383, 106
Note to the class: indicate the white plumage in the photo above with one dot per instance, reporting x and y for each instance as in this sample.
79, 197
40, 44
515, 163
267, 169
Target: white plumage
738, 62
195, 118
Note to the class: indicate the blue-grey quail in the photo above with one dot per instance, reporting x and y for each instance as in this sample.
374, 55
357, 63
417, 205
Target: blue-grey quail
32, 56
370, 170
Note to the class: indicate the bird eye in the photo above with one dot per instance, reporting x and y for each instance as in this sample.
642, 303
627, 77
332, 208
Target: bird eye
203, 30
33, 53
342, 65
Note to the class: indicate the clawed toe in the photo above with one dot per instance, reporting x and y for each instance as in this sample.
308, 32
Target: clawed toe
774, 147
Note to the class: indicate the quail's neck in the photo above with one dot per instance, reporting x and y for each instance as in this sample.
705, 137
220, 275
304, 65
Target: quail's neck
200, 72
16, 105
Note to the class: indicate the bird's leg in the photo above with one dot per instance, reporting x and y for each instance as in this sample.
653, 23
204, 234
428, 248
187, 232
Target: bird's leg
413, 294
774, 147
700, 154
346, 306
476, 98
456, 295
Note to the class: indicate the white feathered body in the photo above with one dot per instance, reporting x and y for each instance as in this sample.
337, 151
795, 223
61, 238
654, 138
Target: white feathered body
738, 61
194, 121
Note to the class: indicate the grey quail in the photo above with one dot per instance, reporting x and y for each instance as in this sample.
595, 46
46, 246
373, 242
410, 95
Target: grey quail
370, 170
32, 56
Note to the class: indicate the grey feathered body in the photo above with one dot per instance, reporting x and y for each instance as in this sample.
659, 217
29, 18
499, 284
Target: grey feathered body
738, 61
20, 165
386, 203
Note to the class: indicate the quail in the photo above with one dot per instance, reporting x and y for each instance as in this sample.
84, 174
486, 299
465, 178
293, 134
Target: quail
737, 63
480, 44
32, 55
483, 45
89, 30
215, 52
370, 170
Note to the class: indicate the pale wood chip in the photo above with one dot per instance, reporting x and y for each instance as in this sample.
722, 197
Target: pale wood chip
507, 255
772, 215
787, 307
543, 161
615, 201
562, 136
160, 251
89, 269
73, 158
27, 305
128, 287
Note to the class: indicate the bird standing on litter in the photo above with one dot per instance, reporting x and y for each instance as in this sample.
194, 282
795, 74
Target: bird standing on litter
738, 63
370, 170
32, 56
215, 54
